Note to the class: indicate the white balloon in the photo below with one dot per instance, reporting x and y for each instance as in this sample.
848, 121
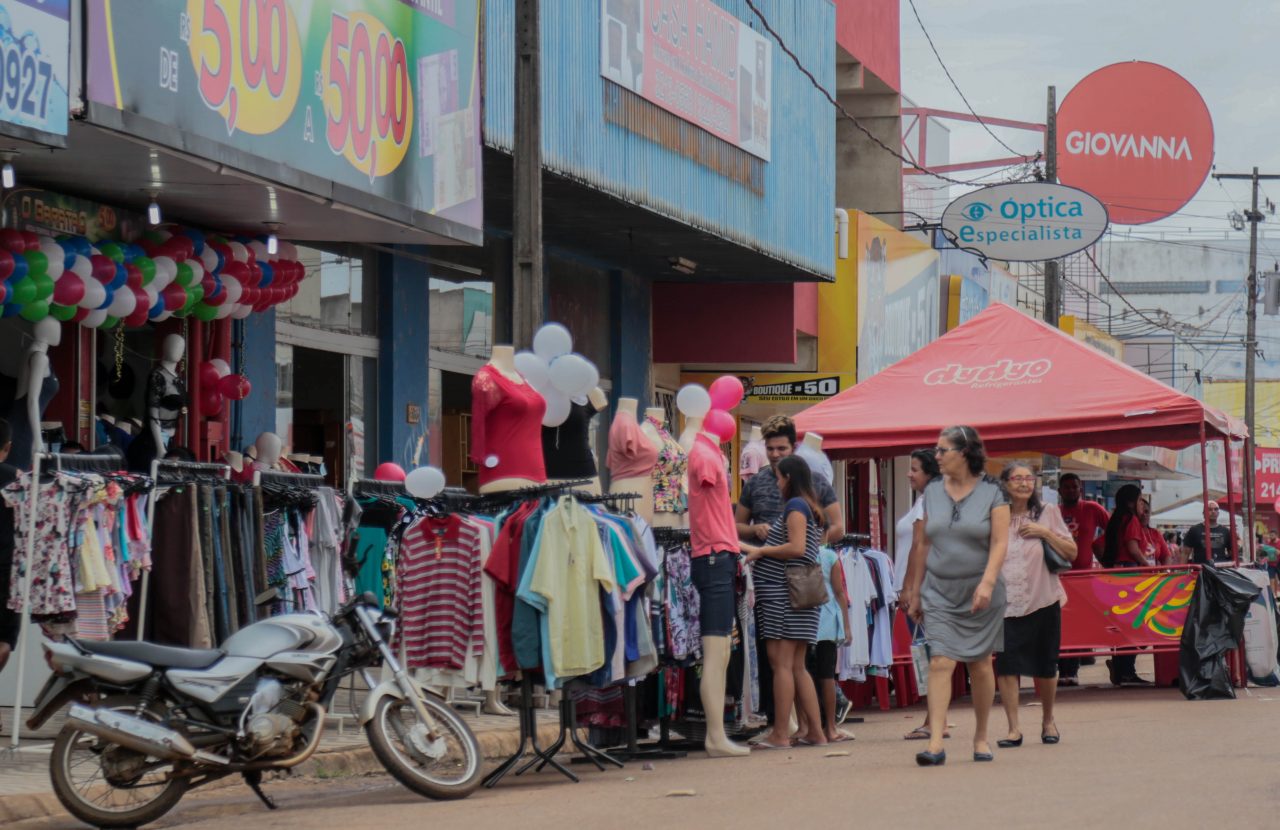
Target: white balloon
123, 303
551, 341
241, 312
95, 294
208, 258
534, 369
558, 407
287, 250
260, 252
224, 311
234, 289
238, 252
83, 268
166, 272
56, 256
424, 482
164, 315
573, 374
693, 401
221, 365
94, 318
152, 295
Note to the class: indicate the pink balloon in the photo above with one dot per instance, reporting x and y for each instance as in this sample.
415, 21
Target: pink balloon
389, 471
69, 290
726, 392
721, 424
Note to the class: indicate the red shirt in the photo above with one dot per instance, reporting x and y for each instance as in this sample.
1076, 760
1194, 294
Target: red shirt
438, 576
711, 525
1150, 542
506, 428
1086, 520
504, 566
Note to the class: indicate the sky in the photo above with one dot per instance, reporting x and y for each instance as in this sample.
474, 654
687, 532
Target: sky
1004, 54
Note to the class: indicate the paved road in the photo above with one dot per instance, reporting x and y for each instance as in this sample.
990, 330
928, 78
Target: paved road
1133, 758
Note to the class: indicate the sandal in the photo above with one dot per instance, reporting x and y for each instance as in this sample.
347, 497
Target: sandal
841, 737
921, 733
765, 745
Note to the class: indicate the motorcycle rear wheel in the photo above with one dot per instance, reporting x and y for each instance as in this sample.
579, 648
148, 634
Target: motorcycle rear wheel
454, 774
106, 785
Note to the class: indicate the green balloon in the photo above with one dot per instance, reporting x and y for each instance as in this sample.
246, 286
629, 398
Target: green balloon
44, 286
37, 263
186, 275
147, 266
35, 311
62, 312
195, 293
109, 322
112, 250
204, 313
23, 291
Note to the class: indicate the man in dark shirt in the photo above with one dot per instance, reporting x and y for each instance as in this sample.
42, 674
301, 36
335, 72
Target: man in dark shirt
9, 620
761, 500
1193, 544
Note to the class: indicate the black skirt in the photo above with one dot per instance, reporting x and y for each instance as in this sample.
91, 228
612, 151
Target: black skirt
1031, 644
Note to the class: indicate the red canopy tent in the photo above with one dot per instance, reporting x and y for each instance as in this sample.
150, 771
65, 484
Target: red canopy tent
1023, 385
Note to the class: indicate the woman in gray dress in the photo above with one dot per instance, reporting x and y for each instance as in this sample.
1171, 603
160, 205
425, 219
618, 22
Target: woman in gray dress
956, 588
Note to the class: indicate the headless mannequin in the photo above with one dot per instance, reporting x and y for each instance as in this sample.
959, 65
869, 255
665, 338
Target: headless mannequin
34, 378
664, 518
172, 351
267, 448
599, 401
643, 484
758, 435
812, 440
503, 359
715, 669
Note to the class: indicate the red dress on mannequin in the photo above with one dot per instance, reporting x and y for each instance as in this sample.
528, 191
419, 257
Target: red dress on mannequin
506, 428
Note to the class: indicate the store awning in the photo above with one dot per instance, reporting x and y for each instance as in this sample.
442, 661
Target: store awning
1023, 385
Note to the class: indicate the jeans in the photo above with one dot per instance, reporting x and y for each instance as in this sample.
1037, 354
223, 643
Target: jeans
713, 576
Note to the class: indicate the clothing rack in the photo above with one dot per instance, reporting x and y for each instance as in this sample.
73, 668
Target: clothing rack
664, 747
172, 472
853, 540
377, 486
261, 477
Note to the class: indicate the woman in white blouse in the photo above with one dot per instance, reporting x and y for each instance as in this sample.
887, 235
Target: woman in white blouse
1033, 617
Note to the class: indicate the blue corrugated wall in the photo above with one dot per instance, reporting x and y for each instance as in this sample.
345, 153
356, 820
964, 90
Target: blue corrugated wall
791, 220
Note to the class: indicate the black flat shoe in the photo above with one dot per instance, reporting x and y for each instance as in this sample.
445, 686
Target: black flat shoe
983, 756
1008, 743
931, 759
1049, 739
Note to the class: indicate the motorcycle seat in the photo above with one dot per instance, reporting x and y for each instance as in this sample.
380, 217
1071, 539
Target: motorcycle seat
164, 657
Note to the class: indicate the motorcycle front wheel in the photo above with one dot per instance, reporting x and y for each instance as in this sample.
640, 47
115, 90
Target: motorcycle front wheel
106, 785
447, 766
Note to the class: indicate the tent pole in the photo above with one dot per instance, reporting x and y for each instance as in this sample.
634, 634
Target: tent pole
1231, 523
1204, 486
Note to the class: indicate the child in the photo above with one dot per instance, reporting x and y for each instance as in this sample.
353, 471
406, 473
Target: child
834, 629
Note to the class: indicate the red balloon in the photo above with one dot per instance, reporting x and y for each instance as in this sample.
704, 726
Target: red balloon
80, 314
4, 292
31, 240
239, 270
12, 241
135, 275
208, 376
139, 315
210, 402
69, 290
175, 296
6, 264
104, 267
255, 273
720, 423
389, 471
178, 248
235, 387
218, 298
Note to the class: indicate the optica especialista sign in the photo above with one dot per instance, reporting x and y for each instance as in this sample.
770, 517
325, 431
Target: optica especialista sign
1026, 222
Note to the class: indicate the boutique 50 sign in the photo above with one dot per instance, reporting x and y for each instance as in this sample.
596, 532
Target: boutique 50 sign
1026, 222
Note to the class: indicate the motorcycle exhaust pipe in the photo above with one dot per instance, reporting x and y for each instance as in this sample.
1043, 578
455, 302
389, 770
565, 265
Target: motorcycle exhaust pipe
139, 735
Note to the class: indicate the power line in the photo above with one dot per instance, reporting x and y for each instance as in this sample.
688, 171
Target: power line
955, 85
840, 108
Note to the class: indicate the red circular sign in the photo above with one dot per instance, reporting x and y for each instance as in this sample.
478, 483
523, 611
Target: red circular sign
1137, 136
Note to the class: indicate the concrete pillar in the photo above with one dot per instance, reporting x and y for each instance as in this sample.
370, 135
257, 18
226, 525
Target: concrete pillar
867, 177
631, 349
258, 347
404, 343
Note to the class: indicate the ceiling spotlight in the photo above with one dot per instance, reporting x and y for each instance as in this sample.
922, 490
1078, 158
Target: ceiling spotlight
273, 240
8, 177
684, 266
153, 212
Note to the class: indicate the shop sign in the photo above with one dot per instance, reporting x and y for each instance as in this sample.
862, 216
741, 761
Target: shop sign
1139, 137
966, 298
783, 387
379, 95
35, 48
897, 295
694, 59
53, 214
1092, 336
1026, 222
1267, 474
1097, 459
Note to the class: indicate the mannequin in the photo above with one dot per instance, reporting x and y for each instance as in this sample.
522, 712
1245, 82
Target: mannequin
713, 536
35, 388
633, 453
810, 450
566, 449
754, 458
506, 426
668, 479
267, 451
166, 403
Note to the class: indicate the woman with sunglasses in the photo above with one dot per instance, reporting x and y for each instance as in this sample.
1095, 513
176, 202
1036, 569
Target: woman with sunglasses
1033, 617
954, 584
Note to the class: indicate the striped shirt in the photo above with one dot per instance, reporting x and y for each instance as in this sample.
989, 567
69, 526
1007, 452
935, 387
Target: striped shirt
438, 577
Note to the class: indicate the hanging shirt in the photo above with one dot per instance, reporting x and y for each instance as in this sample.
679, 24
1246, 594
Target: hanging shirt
506, 428
711, 524
438, 571
566, 449
631, 452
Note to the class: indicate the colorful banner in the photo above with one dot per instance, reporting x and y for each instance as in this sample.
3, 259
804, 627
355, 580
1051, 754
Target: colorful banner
379, 95
53, 214
1093, 336
695, 60
1126, 609
782, 387
897, 295
966, 298
35, 49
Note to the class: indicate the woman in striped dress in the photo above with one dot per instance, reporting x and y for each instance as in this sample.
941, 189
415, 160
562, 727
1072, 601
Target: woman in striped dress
787, 631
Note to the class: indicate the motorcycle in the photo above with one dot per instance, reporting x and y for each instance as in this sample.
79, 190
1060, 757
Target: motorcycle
149, 722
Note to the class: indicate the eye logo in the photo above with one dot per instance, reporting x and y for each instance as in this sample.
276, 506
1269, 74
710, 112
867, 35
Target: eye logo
976, 211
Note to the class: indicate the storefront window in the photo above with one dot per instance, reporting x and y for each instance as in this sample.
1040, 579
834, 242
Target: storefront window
326, 408
462, 317
338, 294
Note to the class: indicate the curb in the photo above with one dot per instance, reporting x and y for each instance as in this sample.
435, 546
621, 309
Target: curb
496, 745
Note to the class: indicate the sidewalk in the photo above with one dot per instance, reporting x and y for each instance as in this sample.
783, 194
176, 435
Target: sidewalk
26, 793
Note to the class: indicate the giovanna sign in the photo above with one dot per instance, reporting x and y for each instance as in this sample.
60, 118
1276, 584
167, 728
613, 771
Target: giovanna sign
1026, 222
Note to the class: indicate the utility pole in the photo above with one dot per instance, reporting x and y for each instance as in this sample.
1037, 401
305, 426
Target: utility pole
527, 297
1250, 345
1052, 279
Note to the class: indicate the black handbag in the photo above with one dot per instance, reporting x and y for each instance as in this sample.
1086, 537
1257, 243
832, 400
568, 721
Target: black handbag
1054, 561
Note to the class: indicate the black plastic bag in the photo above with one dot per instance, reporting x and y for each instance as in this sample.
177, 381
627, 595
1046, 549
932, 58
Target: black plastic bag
1215, 625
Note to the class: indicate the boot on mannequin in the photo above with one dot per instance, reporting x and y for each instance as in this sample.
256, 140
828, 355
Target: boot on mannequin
35, 388
715, 667
668, 478
633, 453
